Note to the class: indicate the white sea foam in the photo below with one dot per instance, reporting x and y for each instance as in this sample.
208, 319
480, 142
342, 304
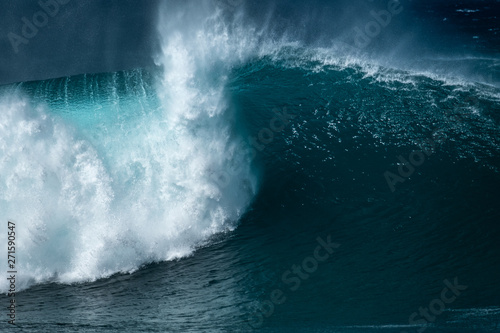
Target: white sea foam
131, 185
135, 188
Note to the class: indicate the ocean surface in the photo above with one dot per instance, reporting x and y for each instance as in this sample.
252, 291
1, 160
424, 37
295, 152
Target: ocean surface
276, 170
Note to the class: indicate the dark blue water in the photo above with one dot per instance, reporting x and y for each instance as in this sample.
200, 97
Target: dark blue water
262, 179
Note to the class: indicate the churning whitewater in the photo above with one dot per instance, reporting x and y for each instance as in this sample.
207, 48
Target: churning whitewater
114, 171
249, 128
234, 166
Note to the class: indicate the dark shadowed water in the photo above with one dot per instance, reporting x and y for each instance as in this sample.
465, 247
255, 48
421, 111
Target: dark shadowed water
262, 179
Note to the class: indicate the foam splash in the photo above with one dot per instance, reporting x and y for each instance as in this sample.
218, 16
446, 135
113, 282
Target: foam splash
117, 185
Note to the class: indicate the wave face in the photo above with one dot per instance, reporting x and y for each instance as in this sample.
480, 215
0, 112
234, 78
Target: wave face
247, 142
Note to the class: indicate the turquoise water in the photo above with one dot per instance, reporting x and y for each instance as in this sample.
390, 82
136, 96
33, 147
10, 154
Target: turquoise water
249, 185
